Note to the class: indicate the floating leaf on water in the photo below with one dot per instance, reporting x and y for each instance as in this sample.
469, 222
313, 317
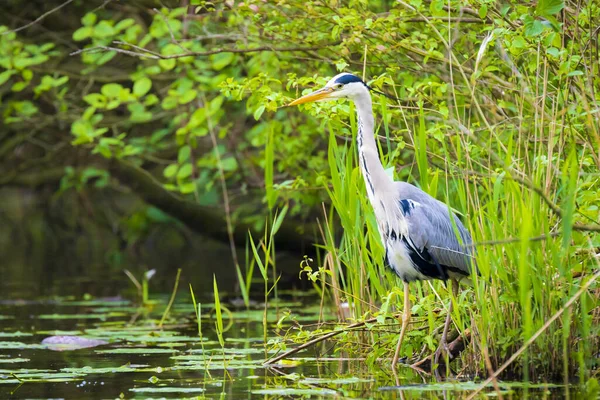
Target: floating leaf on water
72, 316
232, 350
106, 370
14, 334
332, 381
95, 303
297, 392
258, 339
59, 332
209, 364
67, 343
37, 375
167, 390
13, 360
115, 309
137, 350
20, 346
142, 335
172, 344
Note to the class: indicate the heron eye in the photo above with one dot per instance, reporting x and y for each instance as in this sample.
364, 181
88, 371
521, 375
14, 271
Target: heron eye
338, 86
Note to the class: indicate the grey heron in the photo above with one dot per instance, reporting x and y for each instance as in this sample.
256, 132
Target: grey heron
422, 237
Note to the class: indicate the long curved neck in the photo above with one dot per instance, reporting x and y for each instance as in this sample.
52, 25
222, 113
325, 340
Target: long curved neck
375, 176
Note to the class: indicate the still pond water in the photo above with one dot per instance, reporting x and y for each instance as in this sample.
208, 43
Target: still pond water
139, 360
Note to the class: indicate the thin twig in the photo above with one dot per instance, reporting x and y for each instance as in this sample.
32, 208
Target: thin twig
317, 340
515, 240
156, 56
101, 5
38, 19
97, 49
532, 339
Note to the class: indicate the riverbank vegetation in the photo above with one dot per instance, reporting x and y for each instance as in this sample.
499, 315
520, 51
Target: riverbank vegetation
498, 117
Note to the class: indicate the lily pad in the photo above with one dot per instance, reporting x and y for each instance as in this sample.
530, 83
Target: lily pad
20, 346
137, 350
105, 370
169, 389
332, 381
296, 392
34, 375
71, 316
13, 360
14, 334
232, 350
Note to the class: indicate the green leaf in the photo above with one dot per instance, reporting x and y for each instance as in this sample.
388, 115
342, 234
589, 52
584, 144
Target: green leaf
104, 30
169, 103
553, 51
113, 104
96, 100
111, 90
185, 171
229, 164
106, 57
89, 19
184, 154
483, 10
22, 63
549, 7
170, 171
150, 100
188, 96
4, 76
124, 24
258, 112
533, 27
27, 74
138, 112
188, 187
221, 60
167, 65
83, 33
142, 86
19, 86
340, 65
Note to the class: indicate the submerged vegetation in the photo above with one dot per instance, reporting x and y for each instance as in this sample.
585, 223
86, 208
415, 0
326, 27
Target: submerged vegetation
497, 117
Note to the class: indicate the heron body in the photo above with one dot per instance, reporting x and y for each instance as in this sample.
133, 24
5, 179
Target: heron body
422, 237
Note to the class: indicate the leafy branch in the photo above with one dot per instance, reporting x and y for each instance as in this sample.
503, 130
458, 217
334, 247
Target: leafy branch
143, 52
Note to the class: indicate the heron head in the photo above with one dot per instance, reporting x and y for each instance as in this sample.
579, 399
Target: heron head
341, 86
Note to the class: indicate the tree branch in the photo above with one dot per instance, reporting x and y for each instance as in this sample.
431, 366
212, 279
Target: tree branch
209, 221
142, 52
41, 17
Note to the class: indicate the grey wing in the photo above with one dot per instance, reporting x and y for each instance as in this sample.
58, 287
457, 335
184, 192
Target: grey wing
431, 230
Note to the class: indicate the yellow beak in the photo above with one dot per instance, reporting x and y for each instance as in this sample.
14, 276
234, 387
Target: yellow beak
314, 96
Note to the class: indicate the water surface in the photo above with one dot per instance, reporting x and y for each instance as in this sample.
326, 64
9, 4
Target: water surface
141, 360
